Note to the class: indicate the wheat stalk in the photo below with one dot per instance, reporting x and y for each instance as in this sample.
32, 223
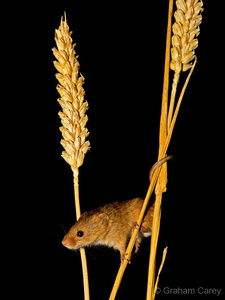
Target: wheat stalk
184, 42
73, 116
181, 58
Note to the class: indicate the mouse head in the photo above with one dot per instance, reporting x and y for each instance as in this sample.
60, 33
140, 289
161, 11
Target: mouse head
90, 227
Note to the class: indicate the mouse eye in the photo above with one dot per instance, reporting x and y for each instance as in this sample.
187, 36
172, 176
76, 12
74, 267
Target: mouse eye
80, 233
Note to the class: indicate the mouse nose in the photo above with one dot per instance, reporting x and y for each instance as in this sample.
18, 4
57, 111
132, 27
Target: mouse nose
65, 243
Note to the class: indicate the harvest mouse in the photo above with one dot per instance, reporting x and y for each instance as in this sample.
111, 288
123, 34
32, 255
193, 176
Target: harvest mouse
112, 224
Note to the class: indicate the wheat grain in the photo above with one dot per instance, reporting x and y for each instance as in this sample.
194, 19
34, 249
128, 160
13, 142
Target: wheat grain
184, 42
70, 88
185, 30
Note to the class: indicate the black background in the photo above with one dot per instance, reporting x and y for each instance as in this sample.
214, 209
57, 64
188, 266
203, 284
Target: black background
121, 53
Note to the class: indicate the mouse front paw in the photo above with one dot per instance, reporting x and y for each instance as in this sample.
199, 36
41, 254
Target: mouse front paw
123, 258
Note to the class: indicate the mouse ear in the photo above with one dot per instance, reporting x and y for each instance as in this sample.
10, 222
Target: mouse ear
103, 219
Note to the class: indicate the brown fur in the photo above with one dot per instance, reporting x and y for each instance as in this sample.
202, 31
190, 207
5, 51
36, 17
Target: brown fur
110, 225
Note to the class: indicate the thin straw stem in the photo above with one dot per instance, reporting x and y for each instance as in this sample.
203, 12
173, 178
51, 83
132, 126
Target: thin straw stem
172, 97
82, 250
179, 102
76, 193
163, 175
160, 269
165, 147
154, 243
85, 273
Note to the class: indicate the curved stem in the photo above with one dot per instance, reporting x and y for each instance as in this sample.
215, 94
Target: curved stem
172, 97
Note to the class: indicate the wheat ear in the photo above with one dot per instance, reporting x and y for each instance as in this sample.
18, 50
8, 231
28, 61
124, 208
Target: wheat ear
184, 42
73, 116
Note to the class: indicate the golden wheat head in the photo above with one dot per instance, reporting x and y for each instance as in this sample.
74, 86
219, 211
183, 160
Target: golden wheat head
73, 115
185, 30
